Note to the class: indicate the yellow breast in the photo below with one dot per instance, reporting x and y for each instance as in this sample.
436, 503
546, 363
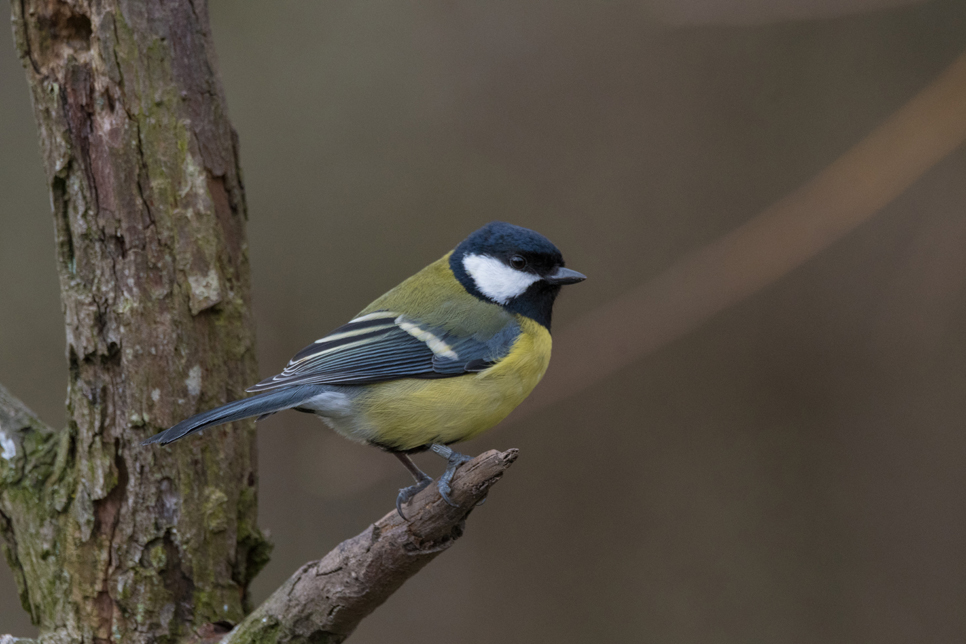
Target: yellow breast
407, 414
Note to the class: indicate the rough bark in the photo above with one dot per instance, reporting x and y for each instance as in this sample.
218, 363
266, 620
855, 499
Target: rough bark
110, 541
324, 601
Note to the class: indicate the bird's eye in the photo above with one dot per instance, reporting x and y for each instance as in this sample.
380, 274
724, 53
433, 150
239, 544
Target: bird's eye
518, 262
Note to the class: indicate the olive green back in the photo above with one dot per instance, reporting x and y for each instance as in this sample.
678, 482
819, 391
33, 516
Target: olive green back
434, 296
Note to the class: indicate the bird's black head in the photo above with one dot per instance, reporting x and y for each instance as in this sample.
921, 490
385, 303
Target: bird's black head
517, 268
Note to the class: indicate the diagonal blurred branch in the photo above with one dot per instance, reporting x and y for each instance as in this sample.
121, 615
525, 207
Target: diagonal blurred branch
787, 234
755, 12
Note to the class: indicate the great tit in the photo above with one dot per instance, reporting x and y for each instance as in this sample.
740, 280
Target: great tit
438, 359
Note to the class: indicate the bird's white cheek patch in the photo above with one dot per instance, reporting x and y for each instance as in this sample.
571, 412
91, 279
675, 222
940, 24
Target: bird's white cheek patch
495, 279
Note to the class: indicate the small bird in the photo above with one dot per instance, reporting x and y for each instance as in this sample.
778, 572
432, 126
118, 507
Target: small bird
441, 357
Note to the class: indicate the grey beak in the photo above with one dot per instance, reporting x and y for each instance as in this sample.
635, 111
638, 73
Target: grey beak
565, 276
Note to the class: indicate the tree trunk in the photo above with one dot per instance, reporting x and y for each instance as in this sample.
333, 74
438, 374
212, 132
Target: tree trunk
111, 541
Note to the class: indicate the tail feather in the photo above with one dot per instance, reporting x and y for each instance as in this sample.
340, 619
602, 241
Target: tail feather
260, 405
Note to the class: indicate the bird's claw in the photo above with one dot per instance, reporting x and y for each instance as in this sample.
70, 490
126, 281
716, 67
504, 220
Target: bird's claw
444, 490
453, 461
406, 495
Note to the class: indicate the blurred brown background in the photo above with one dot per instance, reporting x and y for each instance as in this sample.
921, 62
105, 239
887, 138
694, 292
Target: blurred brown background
792, 471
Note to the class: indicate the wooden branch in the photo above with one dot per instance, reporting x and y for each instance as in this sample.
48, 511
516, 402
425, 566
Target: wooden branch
16, 417
10, 639
28, 458
325, 600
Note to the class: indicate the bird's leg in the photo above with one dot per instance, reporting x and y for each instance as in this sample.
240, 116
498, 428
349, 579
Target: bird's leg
453, 461
407, 493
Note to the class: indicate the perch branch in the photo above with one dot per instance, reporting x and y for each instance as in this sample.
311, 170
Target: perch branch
325, 600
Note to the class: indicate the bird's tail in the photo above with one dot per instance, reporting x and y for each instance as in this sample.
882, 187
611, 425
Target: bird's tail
259, 405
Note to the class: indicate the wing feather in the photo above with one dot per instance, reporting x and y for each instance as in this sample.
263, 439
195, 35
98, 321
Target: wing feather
384, 345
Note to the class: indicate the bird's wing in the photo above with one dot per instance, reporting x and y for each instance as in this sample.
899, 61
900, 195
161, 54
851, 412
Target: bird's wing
385, 345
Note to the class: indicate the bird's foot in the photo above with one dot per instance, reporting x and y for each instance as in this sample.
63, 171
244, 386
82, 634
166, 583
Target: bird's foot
406, 494
453, 461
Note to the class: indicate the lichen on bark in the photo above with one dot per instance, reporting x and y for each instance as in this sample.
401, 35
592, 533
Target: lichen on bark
110, 541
